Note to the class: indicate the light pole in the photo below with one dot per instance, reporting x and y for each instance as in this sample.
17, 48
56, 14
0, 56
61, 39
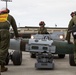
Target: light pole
6, 2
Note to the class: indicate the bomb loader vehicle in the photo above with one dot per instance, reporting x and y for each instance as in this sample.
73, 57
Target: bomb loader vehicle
43, 47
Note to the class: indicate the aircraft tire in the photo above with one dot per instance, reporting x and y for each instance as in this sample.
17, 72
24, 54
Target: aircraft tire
17, 57
71, 60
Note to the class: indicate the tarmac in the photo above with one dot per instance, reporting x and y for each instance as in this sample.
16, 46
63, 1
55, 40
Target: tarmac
27, 67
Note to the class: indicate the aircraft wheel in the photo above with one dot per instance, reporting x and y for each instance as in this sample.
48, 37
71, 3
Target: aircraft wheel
61, 55
33, 55
71, 60
17, 57
7, 59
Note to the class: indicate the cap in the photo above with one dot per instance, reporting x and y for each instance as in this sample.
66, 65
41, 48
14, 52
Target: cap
4, 10
72, 14
42, 23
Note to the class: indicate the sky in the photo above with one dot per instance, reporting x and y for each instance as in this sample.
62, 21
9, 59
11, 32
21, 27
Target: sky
31, 12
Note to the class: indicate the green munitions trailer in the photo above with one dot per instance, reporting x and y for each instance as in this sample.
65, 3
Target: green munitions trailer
43, 48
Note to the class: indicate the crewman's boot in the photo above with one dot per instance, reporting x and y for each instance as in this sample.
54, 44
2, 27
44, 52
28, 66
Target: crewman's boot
3, 68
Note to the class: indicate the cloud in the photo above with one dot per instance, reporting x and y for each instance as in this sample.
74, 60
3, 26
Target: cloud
30, 12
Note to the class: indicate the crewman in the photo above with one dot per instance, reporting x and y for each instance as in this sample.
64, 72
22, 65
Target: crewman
6, 20
72, 24
42, 29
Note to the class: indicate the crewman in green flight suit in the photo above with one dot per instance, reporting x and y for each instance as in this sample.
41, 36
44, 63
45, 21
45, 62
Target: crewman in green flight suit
42, 29
72, 23
6, 20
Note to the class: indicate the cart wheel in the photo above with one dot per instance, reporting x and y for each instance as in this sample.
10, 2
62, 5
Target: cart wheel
61, 55
71, 60
17, 57
33, 55
7, 59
